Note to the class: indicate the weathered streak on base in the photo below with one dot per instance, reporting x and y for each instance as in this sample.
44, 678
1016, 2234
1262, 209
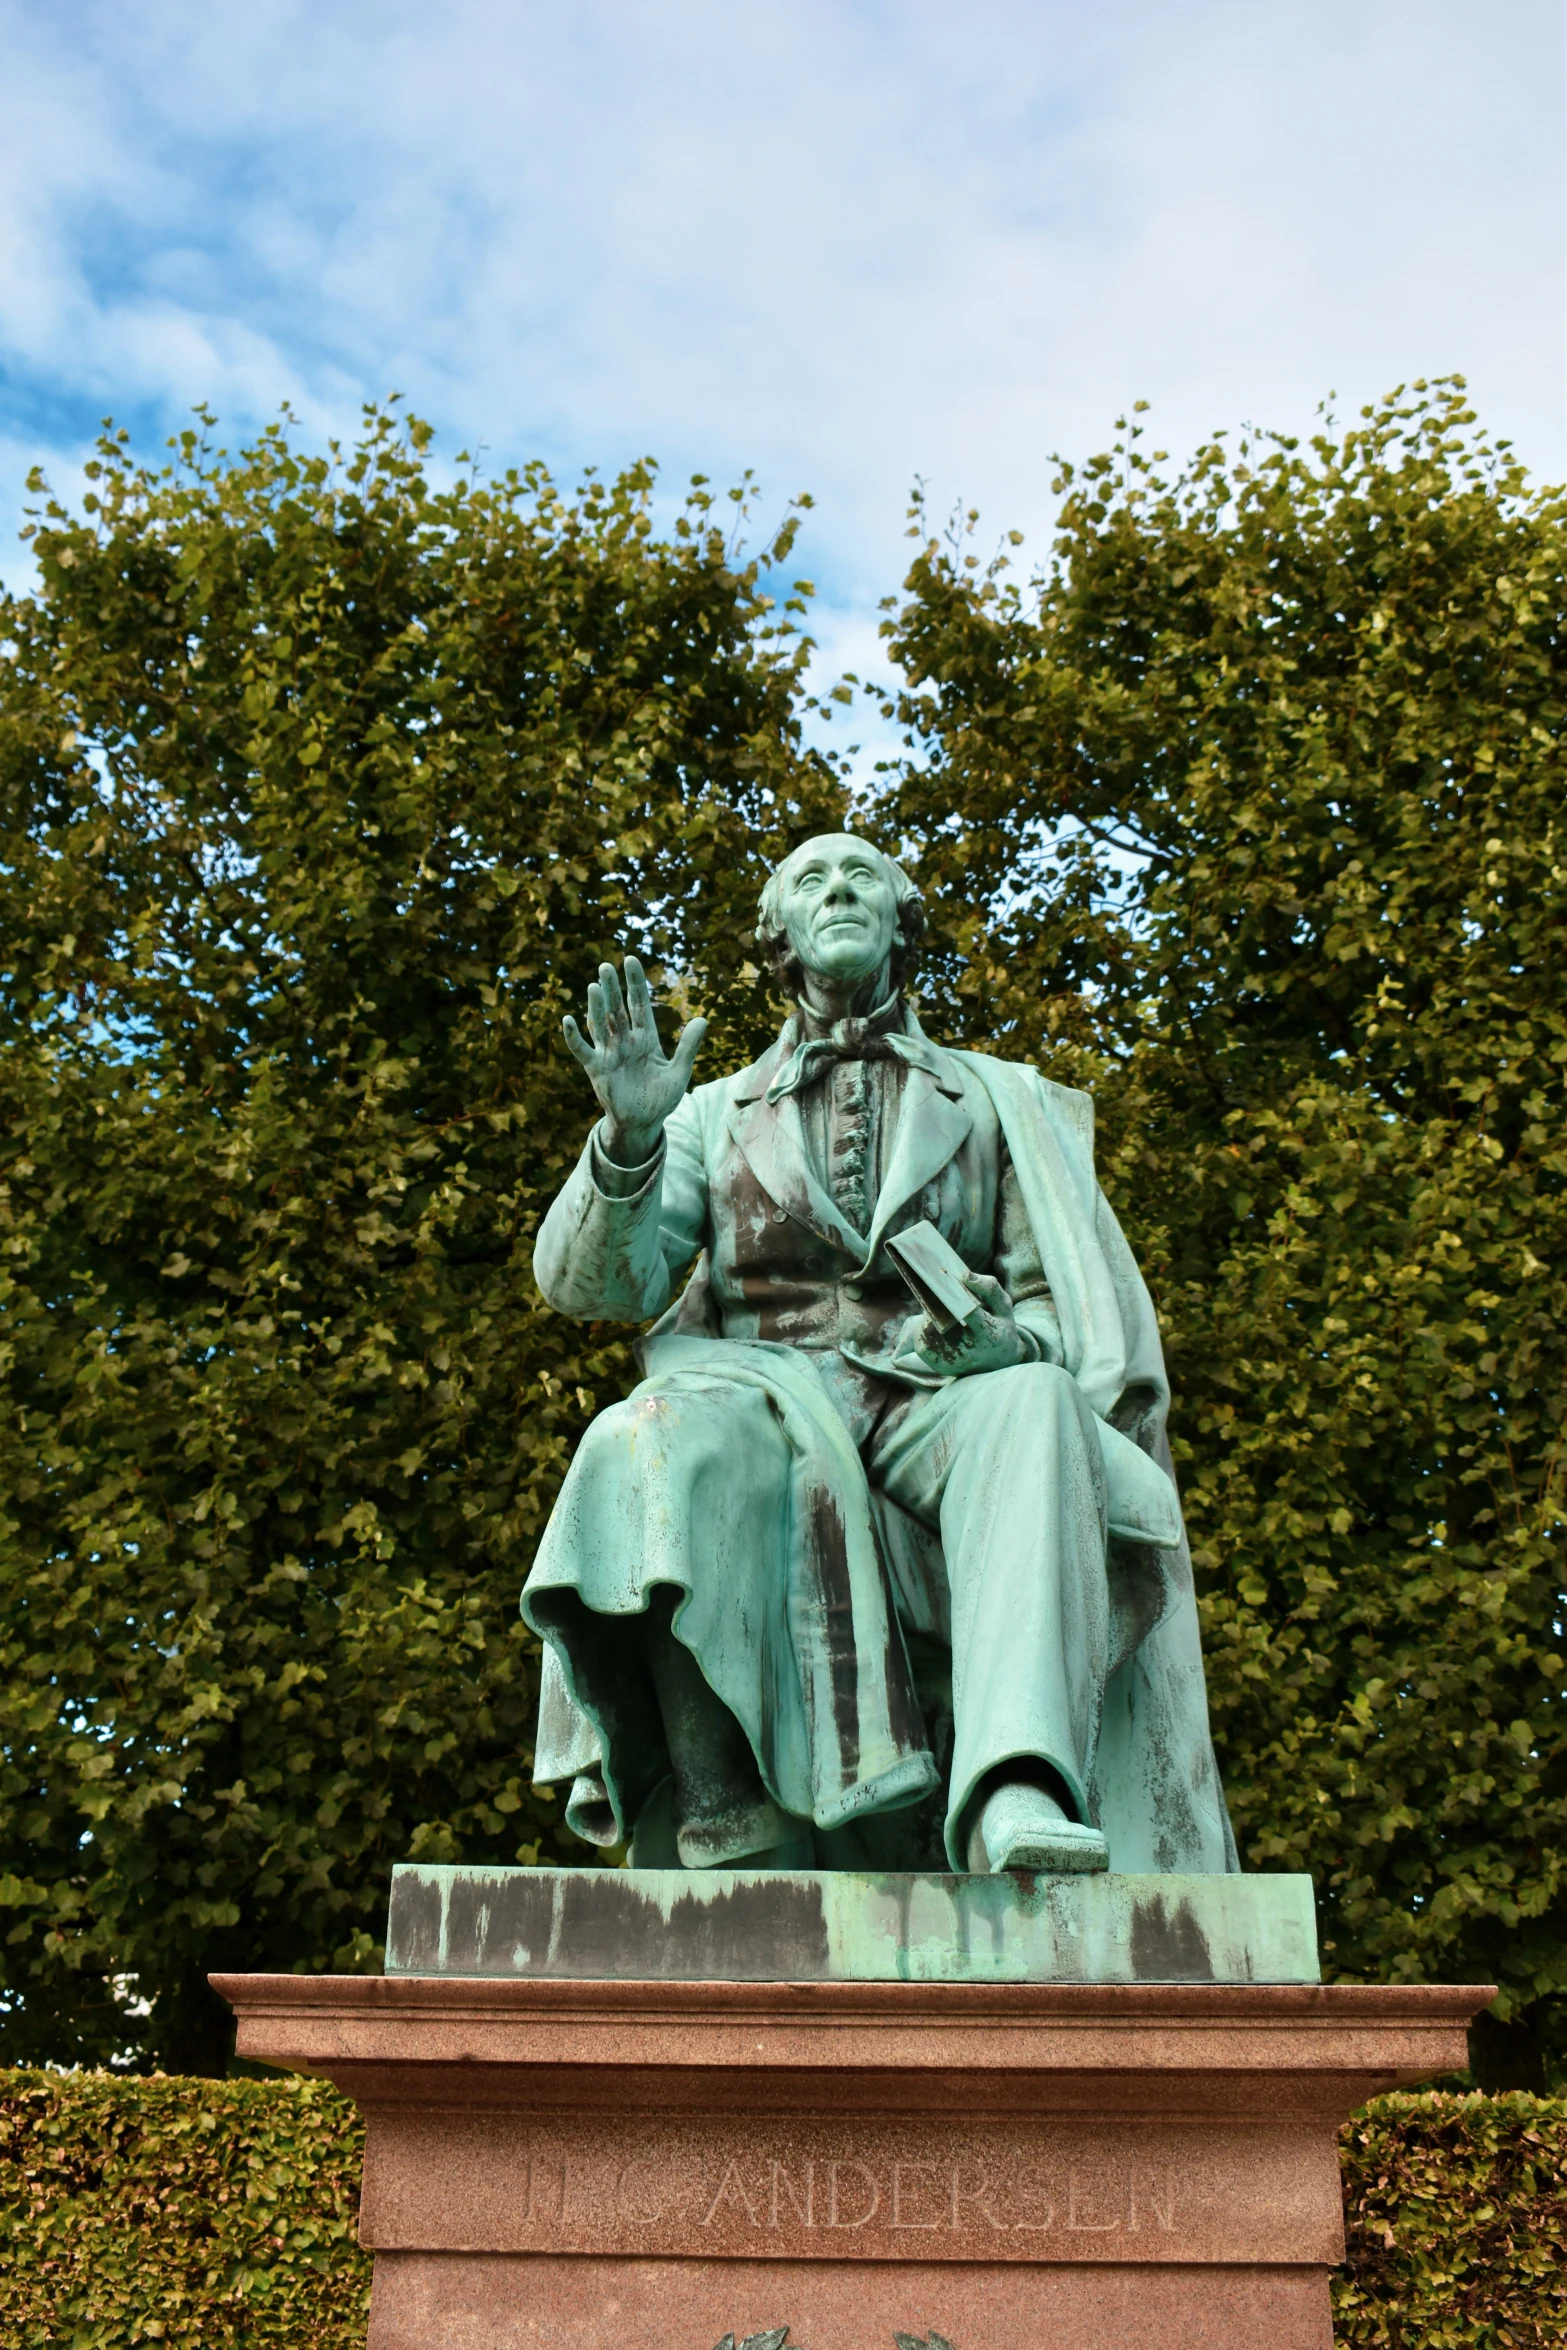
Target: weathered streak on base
559, 2165
837, 1926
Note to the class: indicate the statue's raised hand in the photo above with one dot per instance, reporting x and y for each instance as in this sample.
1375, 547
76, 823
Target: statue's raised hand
636, 1086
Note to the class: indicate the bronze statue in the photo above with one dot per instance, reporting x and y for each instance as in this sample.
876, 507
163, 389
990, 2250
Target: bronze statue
883, 1560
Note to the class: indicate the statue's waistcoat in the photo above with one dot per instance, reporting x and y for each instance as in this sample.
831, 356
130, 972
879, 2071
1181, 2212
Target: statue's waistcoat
788, 1263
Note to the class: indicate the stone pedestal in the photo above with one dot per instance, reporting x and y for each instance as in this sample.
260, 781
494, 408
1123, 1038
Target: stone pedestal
558, 2164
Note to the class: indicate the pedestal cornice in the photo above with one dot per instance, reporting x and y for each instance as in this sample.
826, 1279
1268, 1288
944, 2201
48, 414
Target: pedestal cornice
631, 2165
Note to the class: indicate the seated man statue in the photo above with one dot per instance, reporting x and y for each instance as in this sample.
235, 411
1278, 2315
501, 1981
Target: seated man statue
843, 1583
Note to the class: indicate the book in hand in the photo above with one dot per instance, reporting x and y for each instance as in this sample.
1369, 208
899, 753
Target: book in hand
936, 1275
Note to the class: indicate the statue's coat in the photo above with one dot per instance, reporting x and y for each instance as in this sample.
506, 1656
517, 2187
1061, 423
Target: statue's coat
731, 1156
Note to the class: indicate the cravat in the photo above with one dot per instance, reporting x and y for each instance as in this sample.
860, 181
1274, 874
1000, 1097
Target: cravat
877, 1037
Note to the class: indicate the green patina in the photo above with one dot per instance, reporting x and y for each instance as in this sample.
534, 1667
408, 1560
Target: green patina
847, 1926
855, 1580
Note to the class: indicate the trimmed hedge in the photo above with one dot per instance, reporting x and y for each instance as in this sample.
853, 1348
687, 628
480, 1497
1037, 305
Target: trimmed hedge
1456, 2211
186, 2212
203, 2213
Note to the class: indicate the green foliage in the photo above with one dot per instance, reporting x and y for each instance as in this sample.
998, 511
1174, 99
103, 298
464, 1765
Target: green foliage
1455, 2212
322, 790
1249, 813
187, 2213
196, 2213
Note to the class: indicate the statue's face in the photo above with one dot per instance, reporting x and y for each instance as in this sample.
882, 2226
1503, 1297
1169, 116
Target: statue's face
837, 903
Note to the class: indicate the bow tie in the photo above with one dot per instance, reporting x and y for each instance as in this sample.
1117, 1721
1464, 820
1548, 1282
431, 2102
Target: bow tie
878, 1037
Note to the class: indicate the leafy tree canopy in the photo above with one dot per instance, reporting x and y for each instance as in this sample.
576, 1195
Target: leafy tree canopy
1250, 811
322, 792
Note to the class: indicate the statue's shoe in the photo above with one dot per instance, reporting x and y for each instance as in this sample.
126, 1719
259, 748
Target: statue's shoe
1021, 1827
754, 1831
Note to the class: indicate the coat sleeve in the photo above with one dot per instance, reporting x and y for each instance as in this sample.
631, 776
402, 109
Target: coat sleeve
601, 1257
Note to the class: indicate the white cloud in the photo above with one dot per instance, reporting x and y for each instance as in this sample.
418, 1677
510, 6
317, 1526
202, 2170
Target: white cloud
847, 242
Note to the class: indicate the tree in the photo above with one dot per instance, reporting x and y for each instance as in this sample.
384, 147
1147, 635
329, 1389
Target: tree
321, 792
1249, 812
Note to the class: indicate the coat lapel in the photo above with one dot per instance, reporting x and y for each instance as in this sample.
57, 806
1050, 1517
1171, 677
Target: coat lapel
933, 1126
771, 1139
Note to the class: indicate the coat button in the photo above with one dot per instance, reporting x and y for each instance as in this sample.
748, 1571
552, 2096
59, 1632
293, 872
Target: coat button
780, 1215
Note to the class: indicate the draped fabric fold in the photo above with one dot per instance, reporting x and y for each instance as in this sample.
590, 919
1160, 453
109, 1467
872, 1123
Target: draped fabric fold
787, 1607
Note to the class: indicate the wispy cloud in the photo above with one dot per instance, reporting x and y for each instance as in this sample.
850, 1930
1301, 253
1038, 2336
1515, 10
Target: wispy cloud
847, 242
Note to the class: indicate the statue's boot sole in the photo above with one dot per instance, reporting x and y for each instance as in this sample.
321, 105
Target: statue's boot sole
1023, 1827
1067, 1850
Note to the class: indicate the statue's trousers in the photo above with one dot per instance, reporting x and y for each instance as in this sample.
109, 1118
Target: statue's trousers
731, 1475
1006, 1466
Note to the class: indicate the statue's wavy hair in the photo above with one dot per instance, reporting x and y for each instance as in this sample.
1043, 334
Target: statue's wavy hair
784, 964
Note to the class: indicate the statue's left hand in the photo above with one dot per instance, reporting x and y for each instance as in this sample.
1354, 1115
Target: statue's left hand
988, 1341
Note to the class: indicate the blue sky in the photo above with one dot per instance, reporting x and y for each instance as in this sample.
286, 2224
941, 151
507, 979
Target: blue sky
842, 241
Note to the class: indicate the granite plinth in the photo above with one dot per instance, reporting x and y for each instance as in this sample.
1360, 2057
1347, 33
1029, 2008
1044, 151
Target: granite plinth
645, 2165
779, 1925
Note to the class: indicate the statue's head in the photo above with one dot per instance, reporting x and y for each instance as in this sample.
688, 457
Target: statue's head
839, 909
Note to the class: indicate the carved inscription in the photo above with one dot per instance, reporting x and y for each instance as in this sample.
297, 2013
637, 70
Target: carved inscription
887, 2186
544, 2185
890, 2200
639, 2193
925, 2197
848, 2195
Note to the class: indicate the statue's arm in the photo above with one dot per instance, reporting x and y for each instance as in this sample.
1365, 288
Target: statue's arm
616, 1239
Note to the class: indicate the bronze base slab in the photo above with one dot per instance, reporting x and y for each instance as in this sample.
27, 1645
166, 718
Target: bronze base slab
557, 2165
